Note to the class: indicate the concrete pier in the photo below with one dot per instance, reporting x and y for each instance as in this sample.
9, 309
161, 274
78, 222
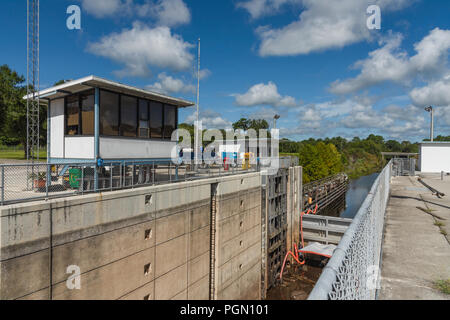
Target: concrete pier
416, 248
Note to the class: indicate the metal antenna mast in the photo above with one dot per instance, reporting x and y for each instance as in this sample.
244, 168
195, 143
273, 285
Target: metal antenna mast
32, 80
196, 142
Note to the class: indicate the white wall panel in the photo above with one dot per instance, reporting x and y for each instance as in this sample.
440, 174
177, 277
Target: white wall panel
57, 129
435, 157
80, 148
116, 148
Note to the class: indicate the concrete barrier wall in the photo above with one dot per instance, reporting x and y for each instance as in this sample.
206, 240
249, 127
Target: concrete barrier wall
238, 239
147, 243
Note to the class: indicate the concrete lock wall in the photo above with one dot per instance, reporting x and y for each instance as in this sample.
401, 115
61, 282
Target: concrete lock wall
202, 240
147, 243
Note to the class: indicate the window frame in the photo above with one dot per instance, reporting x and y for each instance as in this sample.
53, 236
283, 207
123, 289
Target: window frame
80, 115
118, 116
137, 117
175, 126
147, 106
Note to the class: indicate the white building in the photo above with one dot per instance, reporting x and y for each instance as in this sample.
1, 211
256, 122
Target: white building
92, 118
434, 157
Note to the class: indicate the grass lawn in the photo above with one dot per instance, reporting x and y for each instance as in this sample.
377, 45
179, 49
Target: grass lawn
19, 155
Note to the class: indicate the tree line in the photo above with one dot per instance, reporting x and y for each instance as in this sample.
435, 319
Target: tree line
324, 157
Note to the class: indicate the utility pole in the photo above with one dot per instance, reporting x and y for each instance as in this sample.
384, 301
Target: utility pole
275, 118
431, 111
196, 142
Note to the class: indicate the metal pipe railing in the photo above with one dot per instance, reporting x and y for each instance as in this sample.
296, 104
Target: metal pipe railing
49, 181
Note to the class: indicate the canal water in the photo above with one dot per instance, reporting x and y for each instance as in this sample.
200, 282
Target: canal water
358, 190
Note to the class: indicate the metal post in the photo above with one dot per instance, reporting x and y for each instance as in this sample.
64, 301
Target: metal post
3, 184
442, 175
432, 124
82, 180
132, 176
121, 176
170, 172
111, 174
196, 138
48, 181
95, 178
153, 174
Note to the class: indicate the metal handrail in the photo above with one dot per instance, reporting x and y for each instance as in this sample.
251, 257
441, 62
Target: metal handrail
116, 177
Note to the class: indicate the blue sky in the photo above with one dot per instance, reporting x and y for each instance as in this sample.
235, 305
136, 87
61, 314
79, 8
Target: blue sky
314, 62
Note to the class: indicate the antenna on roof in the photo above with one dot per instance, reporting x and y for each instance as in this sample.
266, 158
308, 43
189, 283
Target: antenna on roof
196, 142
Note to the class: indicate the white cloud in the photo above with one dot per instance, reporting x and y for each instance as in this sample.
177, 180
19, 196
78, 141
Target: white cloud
104, 8
322, 25
210, 119
443, 117
264, 94
168, 13
170, 85
204, 73
140, 47
260, 8
390, 63
436, 94
357, 116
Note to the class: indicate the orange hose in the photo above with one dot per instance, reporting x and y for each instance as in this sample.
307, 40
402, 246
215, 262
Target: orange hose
296, 256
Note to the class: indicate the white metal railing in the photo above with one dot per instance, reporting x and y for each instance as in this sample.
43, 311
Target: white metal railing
353, 271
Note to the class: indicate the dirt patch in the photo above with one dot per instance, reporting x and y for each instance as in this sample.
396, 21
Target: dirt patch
298, 282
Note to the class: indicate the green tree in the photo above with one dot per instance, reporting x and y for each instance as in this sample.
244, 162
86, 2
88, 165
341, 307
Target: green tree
14, 108
243, 124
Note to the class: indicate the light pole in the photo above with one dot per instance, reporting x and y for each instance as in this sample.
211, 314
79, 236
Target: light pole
196, 138
431, 110
275, 118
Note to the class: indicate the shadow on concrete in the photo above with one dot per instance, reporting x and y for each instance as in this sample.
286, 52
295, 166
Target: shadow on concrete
421, 200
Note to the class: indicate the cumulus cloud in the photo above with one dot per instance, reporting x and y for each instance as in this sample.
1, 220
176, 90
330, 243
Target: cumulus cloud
436, 94
322, 25
140, 47
105, 8
357, 116
260, 8
168, 13
264, 94
390, 63
169, 85
210, 119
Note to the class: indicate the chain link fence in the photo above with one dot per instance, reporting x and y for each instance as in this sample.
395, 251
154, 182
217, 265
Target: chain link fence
404, 167
353, 272
28, 182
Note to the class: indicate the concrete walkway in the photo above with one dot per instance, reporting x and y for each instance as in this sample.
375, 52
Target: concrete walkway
416, 253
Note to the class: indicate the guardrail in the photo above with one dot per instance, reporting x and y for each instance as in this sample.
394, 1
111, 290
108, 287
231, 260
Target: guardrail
353, 271
39, 181
324, 229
